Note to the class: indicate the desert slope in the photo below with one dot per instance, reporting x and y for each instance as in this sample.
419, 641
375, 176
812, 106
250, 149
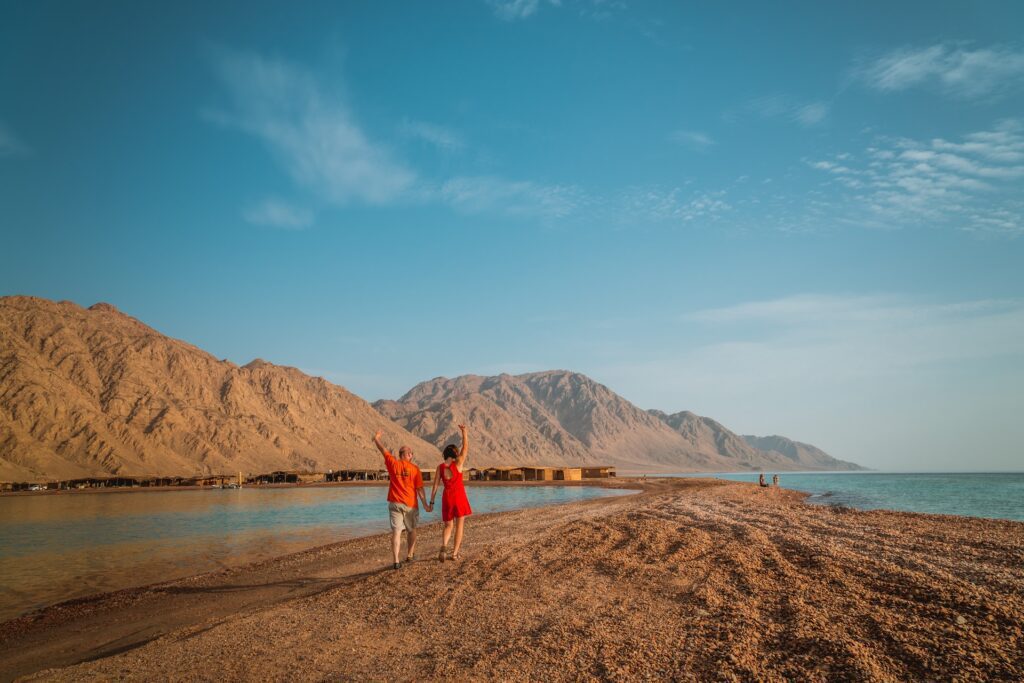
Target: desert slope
561, 417
551, 418
802, 454
94, 391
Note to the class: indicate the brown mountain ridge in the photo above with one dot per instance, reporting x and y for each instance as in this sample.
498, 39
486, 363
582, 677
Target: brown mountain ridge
88, 392
560, 417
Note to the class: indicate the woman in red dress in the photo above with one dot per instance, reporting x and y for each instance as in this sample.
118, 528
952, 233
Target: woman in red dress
454, 503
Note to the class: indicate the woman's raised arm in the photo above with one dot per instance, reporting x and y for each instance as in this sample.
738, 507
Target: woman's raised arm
464, 451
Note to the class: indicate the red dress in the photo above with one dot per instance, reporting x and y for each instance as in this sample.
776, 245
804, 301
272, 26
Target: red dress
454, 502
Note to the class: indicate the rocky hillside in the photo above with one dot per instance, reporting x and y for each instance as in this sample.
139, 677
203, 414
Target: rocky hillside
804, 455
556, 418
94, 392
752, 452
561, 417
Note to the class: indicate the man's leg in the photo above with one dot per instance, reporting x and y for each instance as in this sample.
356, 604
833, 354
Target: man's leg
412, 543
396, 542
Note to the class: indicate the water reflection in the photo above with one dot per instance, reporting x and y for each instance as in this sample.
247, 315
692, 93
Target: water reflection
57, 547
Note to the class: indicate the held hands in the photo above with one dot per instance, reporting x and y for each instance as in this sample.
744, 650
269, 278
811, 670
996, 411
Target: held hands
463, 428
380, 433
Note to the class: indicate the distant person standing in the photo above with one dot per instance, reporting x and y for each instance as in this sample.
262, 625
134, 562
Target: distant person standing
454, 502
406, 485
775, 480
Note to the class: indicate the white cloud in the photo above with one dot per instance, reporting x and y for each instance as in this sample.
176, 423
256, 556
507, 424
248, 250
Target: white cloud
972, 184
279, 214
807, 114
811, 114
313, 133
813, 337
510, 10
951, 68
677, 204
692, 139
482, 194
10, 144
445, 139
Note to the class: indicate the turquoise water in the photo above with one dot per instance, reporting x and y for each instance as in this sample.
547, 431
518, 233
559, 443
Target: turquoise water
55, 547
993, 495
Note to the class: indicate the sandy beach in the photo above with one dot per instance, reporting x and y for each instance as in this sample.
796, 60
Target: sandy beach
690, 579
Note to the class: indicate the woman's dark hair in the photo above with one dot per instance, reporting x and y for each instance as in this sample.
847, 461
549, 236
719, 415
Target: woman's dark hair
450, 451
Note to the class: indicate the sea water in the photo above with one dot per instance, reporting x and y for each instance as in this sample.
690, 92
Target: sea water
993, 495
59, 546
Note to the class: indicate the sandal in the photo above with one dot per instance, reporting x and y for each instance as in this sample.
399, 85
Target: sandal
441, 555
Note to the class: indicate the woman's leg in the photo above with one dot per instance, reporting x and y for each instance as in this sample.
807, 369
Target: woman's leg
447, 534
459, 521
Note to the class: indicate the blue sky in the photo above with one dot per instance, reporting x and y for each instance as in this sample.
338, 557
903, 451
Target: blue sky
802, 218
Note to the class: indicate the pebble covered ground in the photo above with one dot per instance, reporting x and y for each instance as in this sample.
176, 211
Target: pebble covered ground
691, 580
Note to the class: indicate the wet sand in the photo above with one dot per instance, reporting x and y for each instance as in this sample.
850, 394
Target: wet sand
692, 579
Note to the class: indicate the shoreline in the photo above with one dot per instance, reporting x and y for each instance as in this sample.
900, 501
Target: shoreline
141, 555
306, 485
711, 565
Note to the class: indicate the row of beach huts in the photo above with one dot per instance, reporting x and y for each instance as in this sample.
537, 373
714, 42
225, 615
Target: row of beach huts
519, 473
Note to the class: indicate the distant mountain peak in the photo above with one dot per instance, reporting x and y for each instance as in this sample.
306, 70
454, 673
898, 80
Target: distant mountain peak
565, 417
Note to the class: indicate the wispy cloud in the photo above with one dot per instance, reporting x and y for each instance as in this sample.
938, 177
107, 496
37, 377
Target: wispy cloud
850, 333
693, 139
313, 133
785, 107
954, 69
817, 342
972, 183
510, 10
279, 214
675, 205
10, 144
441, 137
484, 194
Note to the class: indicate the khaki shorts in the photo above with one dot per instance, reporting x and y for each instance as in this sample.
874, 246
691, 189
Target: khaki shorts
403, 516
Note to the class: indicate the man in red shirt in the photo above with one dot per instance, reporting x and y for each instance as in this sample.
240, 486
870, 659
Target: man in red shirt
406, 486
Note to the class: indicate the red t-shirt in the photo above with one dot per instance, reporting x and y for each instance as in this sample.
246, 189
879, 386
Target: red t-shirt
405, 479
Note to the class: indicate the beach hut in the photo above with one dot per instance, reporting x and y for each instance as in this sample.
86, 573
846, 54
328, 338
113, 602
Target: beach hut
598, 472
504, 474
513, 474
356, 475
277, 477
538, 473
568, 474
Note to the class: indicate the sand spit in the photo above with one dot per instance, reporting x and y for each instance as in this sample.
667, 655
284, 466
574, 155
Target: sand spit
692, 579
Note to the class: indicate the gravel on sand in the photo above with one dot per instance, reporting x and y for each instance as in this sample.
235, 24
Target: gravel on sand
690, 579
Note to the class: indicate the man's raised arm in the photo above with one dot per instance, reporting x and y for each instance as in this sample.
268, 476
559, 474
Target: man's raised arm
377, 442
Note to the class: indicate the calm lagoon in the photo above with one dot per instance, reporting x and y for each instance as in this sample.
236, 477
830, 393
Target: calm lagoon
55, 547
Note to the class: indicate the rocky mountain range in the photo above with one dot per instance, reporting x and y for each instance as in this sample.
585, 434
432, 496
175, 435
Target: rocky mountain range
91, 392
561, 417
87, 392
